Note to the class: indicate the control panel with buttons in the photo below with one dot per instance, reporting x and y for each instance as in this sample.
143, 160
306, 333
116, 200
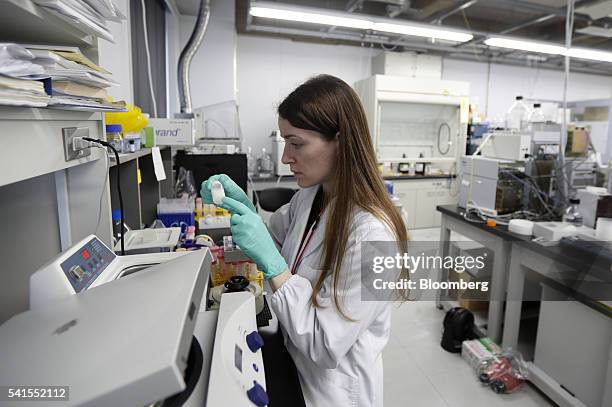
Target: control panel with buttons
86, 264
237, 375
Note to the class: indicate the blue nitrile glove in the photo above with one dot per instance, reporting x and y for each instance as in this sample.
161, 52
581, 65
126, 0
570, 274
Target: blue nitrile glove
250, 233
231, 189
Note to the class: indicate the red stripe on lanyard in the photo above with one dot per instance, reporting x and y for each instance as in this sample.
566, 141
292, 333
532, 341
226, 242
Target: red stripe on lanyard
303, 247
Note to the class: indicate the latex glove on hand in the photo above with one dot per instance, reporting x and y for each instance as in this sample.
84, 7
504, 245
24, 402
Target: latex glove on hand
231, 189
250, 233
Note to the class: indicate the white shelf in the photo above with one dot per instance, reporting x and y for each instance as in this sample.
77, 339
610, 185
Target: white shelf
23, 21
32, 141
125, 157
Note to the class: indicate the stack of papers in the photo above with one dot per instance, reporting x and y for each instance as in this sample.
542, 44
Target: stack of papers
75, 81
15, 60
68, 64
76, 103
89, 15
22, 92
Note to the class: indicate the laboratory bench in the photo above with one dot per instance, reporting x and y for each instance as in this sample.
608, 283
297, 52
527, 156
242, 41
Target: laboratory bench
497, 239
572, 357
571, 350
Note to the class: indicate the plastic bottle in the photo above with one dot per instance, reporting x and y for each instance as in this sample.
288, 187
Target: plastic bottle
251, 163
572, 214
517, 117
265, 164
117, 229
389, 186
114, 136
537, 115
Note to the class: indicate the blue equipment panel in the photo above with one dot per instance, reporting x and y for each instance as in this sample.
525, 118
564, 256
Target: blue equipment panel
86, 264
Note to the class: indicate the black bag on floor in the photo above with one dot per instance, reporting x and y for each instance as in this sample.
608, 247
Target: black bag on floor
458, 327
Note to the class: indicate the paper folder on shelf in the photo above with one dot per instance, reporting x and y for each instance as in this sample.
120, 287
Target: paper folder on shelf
16, 60
76, 89
65, 59
76, 103
79, 14
22, 92
81, 59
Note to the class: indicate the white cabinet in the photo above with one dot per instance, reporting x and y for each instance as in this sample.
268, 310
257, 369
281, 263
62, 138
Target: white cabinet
419, 197
408, 197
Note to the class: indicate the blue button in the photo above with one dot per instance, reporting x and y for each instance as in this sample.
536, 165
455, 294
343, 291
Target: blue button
254, 341
258, 395
255, 368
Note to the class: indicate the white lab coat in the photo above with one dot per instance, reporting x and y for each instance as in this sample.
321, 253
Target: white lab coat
339, 362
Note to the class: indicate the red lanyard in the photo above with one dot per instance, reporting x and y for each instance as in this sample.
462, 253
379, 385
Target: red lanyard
304, 245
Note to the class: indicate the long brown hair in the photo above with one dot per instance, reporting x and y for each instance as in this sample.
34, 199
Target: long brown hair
329, 106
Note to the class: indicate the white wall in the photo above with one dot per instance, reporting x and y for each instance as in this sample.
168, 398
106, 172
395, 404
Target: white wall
260, 71
213, 68
269, 68
117, 57
494, 95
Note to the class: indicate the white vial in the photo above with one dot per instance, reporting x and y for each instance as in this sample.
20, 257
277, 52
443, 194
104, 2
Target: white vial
218, 193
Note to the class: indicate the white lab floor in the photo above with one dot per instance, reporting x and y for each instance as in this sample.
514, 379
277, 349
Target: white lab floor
419, 373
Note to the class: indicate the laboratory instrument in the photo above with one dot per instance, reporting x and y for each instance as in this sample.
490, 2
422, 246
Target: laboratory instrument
506, 145
553, 231
126, 343
486, 184
91, 265
142, 241
224, 366
235, 284
217, 128
521, 227
173, 132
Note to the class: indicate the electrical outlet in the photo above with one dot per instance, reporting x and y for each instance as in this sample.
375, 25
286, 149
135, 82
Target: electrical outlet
68, 134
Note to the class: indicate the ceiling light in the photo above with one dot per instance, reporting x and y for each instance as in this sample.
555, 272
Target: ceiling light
423, 31
545, 48
591, 54
596, 31
531, 46
311, 15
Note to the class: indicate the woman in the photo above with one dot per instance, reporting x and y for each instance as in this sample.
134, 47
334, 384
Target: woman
334, 338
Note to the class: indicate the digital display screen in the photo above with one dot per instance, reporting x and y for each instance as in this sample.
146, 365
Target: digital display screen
238, 358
